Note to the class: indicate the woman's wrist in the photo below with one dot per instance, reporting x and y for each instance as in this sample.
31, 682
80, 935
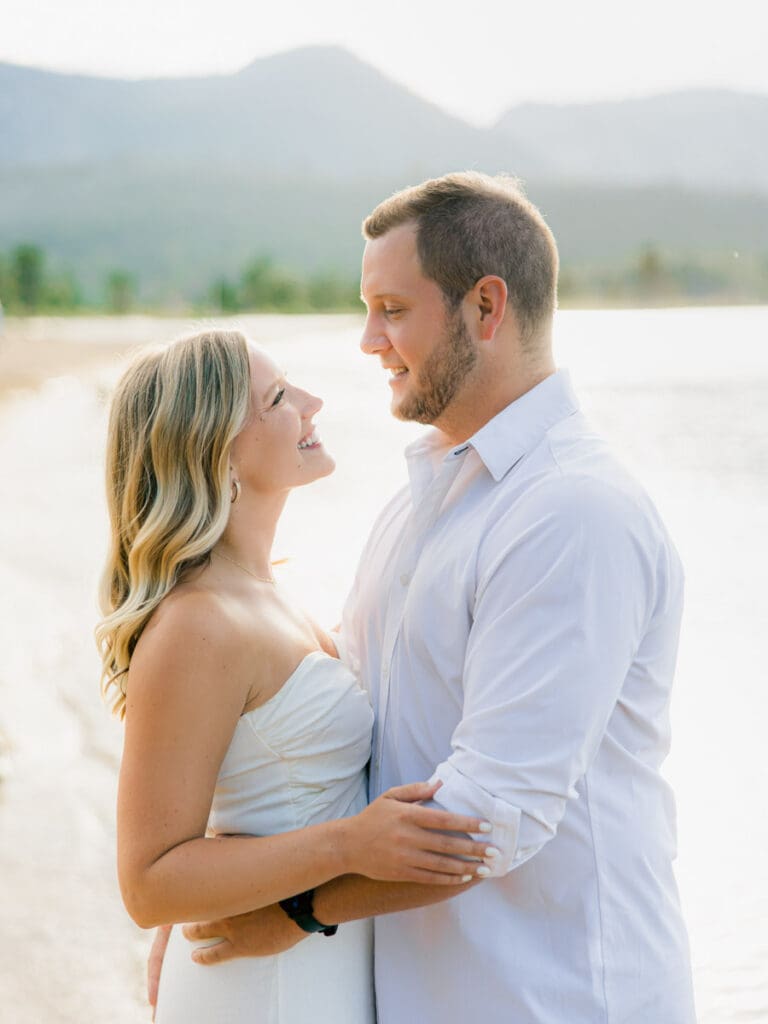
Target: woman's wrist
345, 848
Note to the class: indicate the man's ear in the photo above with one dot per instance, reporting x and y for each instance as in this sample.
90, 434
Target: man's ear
488, 299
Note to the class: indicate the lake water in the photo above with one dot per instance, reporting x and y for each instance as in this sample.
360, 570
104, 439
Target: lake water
683, 397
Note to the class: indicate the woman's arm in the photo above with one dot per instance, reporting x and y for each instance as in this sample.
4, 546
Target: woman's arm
189, 680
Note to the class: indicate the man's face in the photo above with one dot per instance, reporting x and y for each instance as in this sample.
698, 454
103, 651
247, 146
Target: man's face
427, 351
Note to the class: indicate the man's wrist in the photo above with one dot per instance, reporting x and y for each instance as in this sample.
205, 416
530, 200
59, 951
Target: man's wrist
300, 909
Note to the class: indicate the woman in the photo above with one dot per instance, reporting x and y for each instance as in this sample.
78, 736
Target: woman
243, 775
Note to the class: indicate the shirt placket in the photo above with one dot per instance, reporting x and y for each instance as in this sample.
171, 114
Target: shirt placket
423, 517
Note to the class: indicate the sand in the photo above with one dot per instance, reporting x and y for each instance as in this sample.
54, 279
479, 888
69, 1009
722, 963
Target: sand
690, 416
69, 951
34, 349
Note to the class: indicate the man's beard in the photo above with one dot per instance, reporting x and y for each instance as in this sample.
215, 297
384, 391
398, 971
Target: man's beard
442, 374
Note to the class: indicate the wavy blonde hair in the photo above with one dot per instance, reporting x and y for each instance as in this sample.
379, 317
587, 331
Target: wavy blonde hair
173, 418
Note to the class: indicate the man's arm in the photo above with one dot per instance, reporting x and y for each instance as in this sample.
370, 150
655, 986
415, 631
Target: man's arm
269, 931
567, 583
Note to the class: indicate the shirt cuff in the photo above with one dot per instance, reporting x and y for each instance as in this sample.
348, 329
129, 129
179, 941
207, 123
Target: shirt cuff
463, 796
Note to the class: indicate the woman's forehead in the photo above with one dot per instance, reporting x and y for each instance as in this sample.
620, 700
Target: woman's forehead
263, 368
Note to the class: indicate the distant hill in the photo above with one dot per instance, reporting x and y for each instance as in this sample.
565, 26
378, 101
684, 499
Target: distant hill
176, 229
180, 181
321, 112
315, 112
704, 139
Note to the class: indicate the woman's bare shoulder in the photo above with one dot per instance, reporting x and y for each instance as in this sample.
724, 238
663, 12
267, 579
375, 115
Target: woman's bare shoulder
196, 638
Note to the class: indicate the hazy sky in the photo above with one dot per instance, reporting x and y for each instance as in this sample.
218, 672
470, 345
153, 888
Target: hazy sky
474, 64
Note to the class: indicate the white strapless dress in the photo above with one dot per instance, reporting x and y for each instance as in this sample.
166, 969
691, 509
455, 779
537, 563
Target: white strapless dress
297, 760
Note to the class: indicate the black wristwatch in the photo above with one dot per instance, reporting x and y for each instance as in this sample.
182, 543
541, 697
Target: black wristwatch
299, 909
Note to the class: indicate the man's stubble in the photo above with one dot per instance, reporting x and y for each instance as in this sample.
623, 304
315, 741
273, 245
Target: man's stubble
442, 374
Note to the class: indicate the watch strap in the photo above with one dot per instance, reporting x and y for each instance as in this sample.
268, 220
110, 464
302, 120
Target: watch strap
300, 909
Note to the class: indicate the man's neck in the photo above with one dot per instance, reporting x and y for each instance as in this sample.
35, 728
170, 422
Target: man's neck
471, 411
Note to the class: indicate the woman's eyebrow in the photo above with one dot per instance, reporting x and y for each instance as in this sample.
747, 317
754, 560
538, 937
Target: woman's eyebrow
275, 383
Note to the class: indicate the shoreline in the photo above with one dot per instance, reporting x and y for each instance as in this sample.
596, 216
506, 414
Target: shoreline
31, 353
34, 349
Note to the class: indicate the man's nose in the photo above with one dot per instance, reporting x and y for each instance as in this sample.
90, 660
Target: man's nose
373, 341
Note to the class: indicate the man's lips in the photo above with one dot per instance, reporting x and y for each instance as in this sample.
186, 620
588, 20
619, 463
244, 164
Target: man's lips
396, 373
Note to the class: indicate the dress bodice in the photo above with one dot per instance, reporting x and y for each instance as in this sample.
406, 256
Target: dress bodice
296, 760
300, 757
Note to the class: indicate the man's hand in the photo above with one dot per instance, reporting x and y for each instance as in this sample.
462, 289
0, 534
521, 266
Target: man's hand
155, 964
263, 932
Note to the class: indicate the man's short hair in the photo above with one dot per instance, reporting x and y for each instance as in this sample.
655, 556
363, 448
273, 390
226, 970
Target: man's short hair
469, 225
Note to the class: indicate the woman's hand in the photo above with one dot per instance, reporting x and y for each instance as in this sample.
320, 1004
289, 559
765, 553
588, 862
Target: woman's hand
395, 840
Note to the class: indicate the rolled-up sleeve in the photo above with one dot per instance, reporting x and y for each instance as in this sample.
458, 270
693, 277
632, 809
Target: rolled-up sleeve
565, 588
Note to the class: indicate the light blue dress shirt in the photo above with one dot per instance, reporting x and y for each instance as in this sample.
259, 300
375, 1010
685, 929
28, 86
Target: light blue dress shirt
515, 618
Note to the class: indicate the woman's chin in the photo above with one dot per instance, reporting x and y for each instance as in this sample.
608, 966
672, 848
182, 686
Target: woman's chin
323, 464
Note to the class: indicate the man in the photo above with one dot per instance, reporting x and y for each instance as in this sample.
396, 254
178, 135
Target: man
515, 617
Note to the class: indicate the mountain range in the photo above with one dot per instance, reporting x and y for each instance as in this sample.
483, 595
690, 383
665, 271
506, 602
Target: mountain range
178, 179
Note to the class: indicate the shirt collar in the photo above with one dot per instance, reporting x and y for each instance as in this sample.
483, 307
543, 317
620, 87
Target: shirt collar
512, 433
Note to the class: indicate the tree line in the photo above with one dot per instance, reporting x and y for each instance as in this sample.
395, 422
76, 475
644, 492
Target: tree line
649, 277
27, 286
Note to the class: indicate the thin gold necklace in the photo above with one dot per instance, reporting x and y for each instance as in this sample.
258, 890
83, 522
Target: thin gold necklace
262, 579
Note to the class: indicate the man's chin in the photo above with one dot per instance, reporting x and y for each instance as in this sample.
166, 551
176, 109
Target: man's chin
401, 408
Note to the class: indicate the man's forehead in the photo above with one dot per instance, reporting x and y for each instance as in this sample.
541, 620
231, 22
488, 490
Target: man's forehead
392, 261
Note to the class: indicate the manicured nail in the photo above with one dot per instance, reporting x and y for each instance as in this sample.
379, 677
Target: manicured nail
466, 878
485, 826
491, 852
483, 871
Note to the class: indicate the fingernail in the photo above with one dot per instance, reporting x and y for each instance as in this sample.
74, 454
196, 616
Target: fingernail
491, 852
485, 826
466, 878
483, 871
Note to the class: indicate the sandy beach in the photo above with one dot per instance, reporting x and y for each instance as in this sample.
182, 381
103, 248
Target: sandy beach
34, 349
66, 941
687, 414
70, 952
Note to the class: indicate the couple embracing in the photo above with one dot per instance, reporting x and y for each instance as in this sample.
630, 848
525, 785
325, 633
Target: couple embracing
452, 807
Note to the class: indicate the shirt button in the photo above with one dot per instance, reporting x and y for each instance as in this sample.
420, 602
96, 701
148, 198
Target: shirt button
405, 579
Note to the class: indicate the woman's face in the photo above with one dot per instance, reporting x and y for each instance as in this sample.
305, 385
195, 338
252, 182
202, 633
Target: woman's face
278, 448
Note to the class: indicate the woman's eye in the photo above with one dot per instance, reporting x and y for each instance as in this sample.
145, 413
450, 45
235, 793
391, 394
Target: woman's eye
278, 396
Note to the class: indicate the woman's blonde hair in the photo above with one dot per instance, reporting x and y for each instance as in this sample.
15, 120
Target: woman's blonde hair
174, 415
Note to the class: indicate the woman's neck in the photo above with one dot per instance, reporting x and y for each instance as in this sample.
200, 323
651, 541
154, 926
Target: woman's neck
250, 532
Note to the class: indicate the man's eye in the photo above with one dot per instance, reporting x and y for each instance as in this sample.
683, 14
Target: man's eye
392, 310
278, 396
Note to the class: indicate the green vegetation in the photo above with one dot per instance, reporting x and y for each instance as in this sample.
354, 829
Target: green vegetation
26, 287
652, 277
270, 288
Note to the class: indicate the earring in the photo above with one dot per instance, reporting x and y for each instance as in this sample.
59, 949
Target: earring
235, 492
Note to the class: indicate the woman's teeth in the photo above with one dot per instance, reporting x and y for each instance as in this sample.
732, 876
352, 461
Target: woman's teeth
310, 441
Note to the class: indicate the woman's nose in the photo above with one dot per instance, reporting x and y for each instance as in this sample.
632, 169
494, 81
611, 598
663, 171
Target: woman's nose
313, 405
